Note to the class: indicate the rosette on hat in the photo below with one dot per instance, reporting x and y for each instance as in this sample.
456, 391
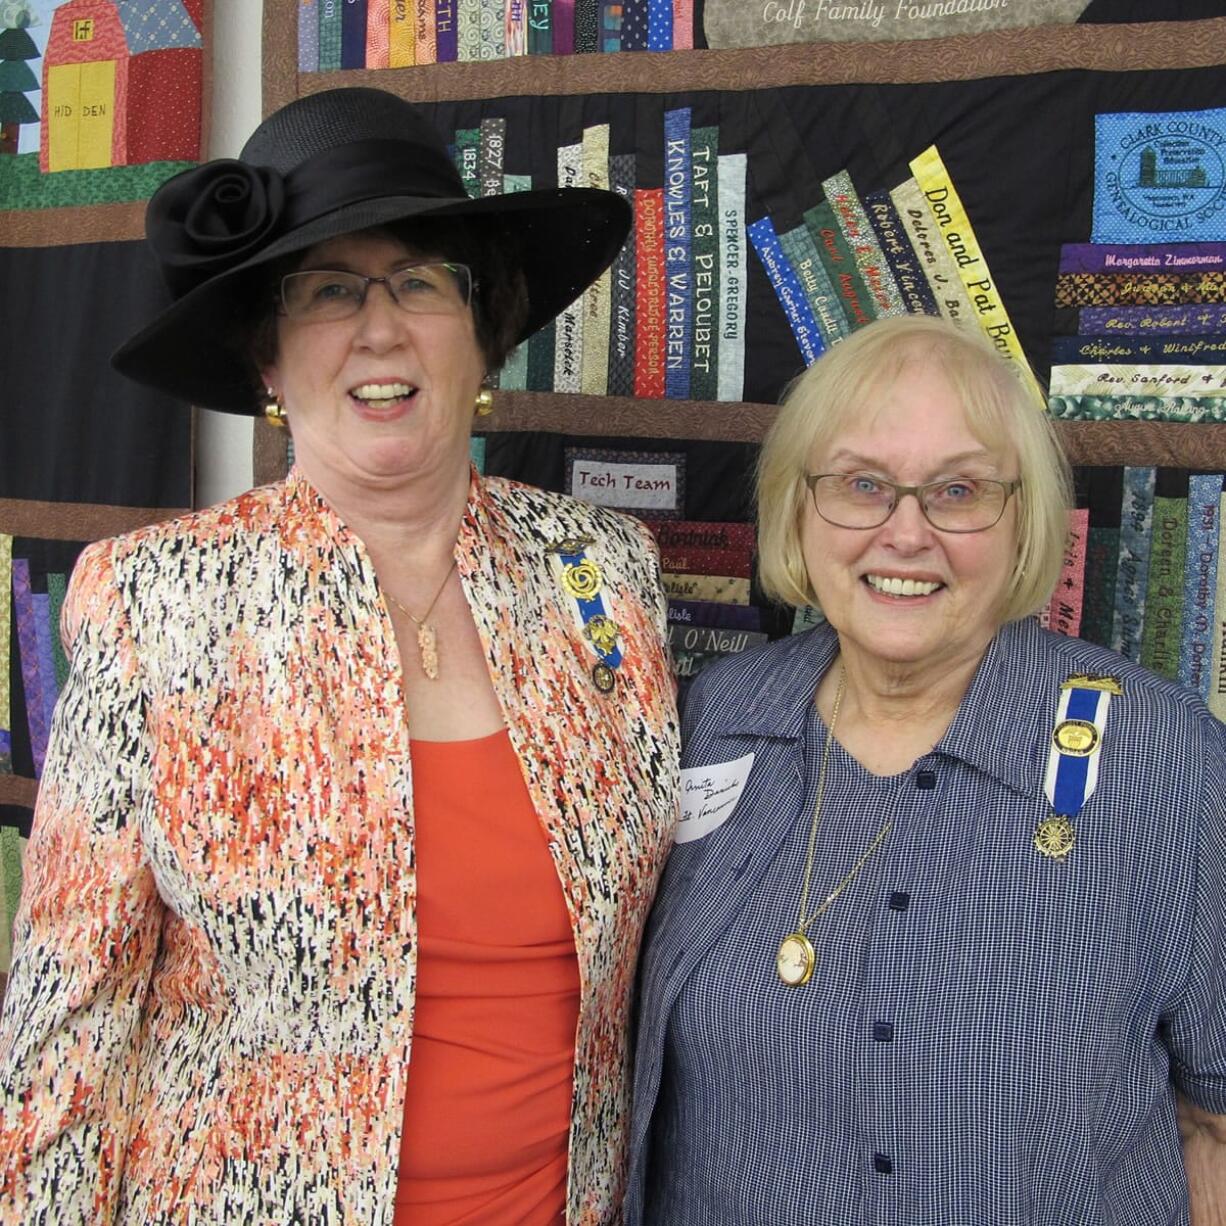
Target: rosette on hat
210, 219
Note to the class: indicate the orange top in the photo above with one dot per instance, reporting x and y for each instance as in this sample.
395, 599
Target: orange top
487, 1110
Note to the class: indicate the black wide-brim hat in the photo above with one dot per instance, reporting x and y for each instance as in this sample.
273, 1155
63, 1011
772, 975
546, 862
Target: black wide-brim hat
326, 165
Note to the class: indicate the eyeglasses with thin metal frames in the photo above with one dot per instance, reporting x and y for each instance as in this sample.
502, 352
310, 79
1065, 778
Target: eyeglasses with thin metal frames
302, 295
921, 494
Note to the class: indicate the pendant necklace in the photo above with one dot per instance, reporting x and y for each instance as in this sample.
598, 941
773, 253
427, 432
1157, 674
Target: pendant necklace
796, 957
427, 638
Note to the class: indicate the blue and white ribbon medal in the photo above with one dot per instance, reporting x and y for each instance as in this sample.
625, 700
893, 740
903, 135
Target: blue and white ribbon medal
582, 581
1072, 760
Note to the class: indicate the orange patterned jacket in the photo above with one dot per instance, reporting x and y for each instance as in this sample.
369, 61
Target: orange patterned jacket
210, 1012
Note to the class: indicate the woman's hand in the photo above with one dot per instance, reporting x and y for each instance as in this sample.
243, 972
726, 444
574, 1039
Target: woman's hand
1204, 1157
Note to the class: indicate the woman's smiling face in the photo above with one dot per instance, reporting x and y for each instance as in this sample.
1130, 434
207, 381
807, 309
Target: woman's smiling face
905, 593
381, 396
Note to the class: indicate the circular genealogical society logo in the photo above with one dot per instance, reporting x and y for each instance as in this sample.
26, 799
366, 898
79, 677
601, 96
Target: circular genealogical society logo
1167, 173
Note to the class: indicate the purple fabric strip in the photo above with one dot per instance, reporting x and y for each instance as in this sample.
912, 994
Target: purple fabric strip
711, 613
27, 646
563, 27
44, 631
1138, 257
1201, 320
445, 31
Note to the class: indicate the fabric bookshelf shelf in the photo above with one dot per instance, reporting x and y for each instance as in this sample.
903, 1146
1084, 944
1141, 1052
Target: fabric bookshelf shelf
773, 186
1149, 46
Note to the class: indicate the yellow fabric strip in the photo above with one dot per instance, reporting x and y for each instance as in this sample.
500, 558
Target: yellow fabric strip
402, 31
594, 374
954, 227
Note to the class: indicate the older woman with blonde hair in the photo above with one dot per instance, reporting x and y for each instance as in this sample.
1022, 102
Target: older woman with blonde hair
942, 938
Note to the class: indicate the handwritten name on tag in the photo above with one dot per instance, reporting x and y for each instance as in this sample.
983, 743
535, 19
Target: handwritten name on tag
709, 795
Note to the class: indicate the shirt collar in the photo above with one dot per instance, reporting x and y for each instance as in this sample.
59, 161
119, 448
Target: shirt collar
998, 728
783, 693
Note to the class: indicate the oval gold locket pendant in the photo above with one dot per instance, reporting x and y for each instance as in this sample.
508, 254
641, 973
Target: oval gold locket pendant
795, 960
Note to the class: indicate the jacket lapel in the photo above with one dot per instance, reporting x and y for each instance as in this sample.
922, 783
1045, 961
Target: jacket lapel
505, 569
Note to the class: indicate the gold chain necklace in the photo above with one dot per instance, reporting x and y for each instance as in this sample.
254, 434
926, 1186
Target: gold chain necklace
796, 957
427, 639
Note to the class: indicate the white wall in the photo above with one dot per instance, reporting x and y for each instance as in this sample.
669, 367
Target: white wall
223, 456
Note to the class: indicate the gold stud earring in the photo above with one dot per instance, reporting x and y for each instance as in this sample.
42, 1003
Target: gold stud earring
485, 402
274, 410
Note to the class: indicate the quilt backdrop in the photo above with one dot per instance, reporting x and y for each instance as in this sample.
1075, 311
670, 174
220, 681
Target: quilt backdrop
100, 101
995, 121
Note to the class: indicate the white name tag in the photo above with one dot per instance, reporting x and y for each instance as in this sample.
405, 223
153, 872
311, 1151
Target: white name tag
640, 487
708, 796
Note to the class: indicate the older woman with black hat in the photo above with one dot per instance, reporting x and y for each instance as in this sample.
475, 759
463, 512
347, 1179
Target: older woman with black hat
360, 783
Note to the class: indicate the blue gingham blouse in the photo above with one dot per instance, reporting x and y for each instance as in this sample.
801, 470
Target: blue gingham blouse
990, 1036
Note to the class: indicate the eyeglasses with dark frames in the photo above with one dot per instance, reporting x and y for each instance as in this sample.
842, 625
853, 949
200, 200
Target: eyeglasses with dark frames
321, 295
952, 504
